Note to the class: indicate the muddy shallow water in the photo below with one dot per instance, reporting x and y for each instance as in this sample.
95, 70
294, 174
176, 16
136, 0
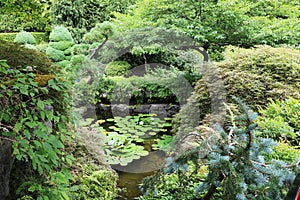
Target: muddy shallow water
131, 176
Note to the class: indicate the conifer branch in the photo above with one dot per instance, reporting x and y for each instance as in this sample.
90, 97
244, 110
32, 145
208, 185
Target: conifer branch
96, 50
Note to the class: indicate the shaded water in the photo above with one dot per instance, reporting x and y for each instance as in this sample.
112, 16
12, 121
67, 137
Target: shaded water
131, 176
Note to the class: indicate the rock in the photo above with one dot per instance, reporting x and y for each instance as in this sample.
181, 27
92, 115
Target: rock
120, 110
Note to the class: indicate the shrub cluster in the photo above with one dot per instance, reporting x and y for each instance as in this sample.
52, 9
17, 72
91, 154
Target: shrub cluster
60, 46
117, 68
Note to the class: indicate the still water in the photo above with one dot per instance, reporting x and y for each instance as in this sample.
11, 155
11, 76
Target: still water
131, 176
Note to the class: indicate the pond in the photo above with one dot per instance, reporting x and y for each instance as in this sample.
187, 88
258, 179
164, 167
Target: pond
132, 175
134, 147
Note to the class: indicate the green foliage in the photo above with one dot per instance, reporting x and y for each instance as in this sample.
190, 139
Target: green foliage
18, 57
99, 32
39, 37
256, 75
285, 152
158, 86
81, 16
216, 24
117, 68
26, 15
173, 187
60, 46
288, 110
277, 129
30, 46
60, 33
93, 183
24, 37
138, 89
55, 55
236, 165
280, 121
36, 122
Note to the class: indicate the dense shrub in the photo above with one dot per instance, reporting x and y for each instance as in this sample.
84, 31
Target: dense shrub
260, 73
138, 90
96, 184
117, 68
80, 16
255, 75
19, 57
60, 46
55, 55
280, 121
28, 16
34, 108
24, 37
281, 64
60, 33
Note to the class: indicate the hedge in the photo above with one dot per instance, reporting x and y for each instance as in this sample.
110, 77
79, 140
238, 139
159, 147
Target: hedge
39, 37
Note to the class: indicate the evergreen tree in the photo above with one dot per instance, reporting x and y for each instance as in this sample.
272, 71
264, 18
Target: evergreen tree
236, 165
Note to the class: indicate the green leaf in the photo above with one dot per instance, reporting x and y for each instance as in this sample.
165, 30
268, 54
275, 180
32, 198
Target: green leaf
40, 105
18, 127
31, 188
47, 147
7, 134
30, 124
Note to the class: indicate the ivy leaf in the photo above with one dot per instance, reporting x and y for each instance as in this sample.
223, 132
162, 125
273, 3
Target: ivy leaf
18, 127
31, 188
40, 105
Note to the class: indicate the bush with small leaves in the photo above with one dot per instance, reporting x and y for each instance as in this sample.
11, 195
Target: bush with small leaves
60, 33
60, 46
24, 37
117, 68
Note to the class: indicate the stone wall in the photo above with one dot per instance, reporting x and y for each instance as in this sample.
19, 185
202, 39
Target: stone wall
161, 110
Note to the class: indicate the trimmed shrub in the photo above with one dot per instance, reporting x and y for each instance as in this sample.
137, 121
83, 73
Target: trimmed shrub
78, 60
281, 64
55, 55
42, 47
61, 45
117, 68
60, 33
24, 37
68, 52
63, 64
30, 46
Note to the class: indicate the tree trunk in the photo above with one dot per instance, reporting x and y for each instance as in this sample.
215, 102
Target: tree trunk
6, 163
